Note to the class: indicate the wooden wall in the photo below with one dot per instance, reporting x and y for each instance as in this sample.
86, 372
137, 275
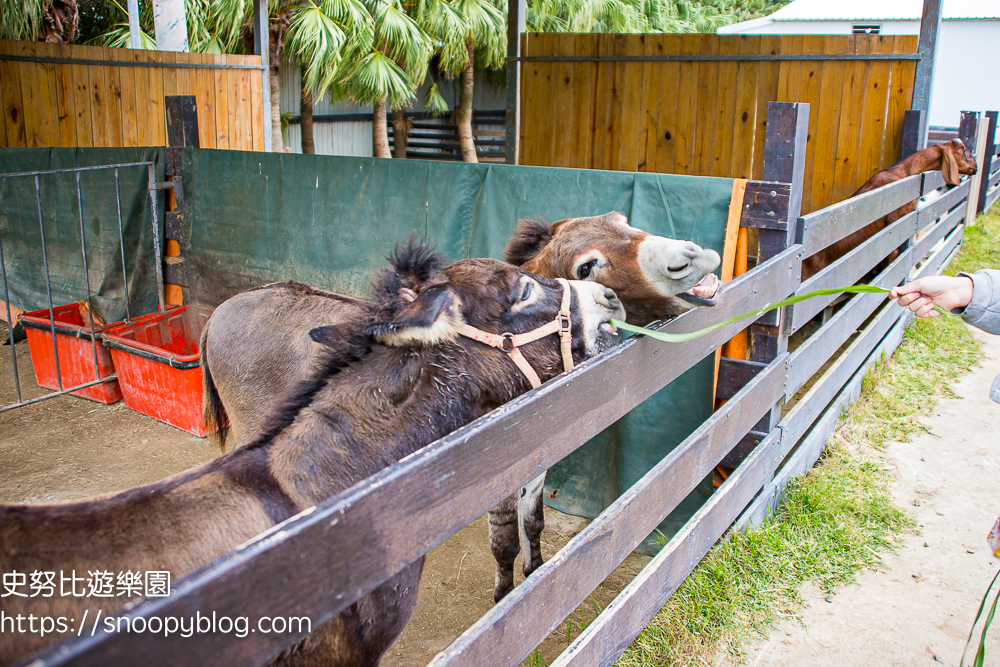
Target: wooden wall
708, 118
77, 104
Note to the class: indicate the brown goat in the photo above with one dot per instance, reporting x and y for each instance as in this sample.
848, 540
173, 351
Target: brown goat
952, 158
389, 382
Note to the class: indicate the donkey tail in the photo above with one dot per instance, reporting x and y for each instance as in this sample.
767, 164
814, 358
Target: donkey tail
213, 412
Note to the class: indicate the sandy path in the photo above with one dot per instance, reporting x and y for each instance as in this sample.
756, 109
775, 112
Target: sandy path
919, 608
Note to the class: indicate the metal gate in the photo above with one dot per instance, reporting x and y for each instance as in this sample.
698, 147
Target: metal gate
52, 328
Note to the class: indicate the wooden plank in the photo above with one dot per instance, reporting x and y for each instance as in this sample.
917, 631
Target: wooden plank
650, 104
937, 232
827, 226
603, 102
941, 258
812, 447
245, 112
143, 104
203, 83
765, 205
48, 102
708, 94
222, 109
810, 91
994, 179
236, 117
767, 91
991, 199
548, 125
562, 108
725, 111
876, 108
258, 115
65, 98
899, 103
629, 125
624, 618
13, 103
669, 77
823, 161
845, 178
809, 357
801, 417
584, 76
100, 115
31, 74
734, 374
932, 210
420, 501
508, 632
932, 181
745, 121
530, 111
130, 118
113, 100
685, 136
851, 267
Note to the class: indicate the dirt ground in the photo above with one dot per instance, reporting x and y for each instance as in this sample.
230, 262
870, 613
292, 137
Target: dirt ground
919, 607
66, 448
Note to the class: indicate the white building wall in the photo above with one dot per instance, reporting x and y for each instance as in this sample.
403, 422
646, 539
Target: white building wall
967, 71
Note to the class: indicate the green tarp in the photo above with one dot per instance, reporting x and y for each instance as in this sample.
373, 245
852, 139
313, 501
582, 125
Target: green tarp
330, 221
21, 237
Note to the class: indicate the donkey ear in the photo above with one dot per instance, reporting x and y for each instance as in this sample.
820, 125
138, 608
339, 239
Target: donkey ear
431, 319
949, 166
530, 237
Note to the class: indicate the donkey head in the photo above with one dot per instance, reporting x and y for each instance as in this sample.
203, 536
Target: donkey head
956, 159
649, 273
425, 305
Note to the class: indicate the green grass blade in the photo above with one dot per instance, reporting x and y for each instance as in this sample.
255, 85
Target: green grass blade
979, 613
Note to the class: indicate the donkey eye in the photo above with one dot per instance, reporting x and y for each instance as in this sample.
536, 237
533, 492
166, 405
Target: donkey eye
526, 292
584, 270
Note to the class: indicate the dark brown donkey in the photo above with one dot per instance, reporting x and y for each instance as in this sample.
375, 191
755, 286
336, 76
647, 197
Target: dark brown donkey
951, 157
390, 380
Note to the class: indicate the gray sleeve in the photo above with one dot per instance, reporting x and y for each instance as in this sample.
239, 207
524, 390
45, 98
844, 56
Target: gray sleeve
984, 310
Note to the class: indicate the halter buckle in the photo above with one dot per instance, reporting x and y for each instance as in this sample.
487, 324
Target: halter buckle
507, 342
565, 323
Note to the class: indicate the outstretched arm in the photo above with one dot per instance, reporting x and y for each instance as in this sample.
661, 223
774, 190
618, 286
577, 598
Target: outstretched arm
923, 294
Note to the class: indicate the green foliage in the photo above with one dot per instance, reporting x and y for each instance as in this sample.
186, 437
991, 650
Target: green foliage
643, 16
21, 20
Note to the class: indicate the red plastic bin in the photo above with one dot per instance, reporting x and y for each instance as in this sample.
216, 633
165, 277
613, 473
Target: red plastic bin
157, 360
75, 350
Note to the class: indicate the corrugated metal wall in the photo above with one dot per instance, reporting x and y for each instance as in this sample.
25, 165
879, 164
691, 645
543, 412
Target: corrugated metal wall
355, 137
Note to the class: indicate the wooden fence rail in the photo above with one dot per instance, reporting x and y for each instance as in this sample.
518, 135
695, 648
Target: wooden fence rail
319, 562
697, 104
73, 95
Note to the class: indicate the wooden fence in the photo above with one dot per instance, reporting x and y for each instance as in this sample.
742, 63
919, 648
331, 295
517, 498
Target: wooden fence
989, 188
317, 563
697, 104
70, 95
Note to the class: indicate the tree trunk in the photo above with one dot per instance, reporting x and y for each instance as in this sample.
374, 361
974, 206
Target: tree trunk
308, 144
380, 134
401, 126
274, 78
465, 111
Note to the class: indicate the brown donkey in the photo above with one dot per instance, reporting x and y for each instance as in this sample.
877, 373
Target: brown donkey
388, 382
952, 158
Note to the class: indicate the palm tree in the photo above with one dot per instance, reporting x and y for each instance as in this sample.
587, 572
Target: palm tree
461, 27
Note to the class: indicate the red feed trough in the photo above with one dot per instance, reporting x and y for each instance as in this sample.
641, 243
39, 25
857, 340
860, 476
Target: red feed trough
75, 353
157, 361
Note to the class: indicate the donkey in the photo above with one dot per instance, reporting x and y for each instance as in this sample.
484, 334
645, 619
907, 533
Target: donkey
431, 354
952, 158
249, 359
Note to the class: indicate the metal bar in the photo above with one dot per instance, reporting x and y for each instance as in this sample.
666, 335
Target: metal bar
10, 323
125, 63
75, 169
48, 282
714, 58
157, 258
61, 392
121, 242
86, 275
134, 40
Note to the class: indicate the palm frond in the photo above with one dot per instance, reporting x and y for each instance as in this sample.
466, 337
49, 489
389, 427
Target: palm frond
375, 76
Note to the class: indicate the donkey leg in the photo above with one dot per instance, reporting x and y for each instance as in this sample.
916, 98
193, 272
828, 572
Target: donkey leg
531, 520
504, 544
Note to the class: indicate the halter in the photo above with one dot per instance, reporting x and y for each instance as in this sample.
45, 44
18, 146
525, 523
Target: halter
511, 343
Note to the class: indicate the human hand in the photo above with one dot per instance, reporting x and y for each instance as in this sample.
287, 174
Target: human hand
923, 294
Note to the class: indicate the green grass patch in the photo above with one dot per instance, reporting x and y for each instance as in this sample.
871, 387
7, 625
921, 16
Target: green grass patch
835, 520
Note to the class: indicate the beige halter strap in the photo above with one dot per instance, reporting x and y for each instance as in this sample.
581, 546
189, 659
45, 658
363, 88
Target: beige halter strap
511, 343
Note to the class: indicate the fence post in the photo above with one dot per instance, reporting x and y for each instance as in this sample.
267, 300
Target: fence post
972, 132
930, 23
182, 131
986, 164
516, 17
774, 214
913, 131
261, 35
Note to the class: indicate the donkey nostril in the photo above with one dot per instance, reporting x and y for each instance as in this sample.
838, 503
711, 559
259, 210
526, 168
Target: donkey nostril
609, 294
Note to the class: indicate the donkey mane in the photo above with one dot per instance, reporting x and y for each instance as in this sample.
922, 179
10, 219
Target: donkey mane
528, 240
